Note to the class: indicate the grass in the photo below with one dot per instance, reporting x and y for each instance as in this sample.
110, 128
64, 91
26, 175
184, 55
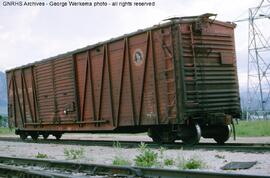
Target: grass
169, 162
147, 157
194, 163
150, 158
6, 131
74, 153
41, 155
117, 145
191, 163
253, 128
120, 161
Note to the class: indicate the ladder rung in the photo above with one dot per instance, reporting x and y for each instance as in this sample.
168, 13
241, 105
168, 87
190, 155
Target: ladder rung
169, 70
190, 81
171, 93
189, 65
189, 69
191, 103
167, 46
171, 105
165, 34
168, 57
189, 78
170, 81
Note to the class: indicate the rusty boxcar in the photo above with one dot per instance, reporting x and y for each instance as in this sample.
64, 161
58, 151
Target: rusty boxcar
176, 80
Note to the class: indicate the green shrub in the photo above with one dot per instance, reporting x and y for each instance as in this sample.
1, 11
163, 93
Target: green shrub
120, 161
146, 158
74, 153
192, 163
40, 155
168, 162
163, 160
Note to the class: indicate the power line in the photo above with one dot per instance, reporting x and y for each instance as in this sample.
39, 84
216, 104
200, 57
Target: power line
237, 19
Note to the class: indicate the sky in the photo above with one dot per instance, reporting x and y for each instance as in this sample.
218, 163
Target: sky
29, 34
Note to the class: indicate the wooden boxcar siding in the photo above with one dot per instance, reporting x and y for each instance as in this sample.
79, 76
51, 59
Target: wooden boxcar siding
102, 88
45, 91
115, 91
21, 97
55, 91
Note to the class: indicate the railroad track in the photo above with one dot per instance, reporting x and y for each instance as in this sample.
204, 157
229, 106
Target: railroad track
237, 147
39, 168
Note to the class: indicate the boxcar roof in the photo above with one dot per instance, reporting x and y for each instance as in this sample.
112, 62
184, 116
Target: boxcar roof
166, 22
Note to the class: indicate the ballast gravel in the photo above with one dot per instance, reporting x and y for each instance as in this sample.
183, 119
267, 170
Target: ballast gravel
212, 160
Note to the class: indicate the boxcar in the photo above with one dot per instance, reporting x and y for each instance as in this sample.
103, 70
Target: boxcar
176, 80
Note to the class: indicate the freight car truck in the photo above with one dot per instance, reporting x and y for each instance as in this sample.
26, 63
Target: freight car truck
176, 81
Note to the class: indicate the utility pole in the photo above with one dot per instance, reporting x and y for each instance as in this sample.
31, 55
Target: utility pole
258, 84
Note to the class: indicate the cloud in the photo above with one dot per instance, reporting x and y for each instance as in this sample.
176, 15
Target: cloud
16, 35
30, 34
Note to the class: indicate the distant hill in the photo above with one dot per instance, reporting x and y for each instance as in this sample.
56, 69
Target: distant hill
3, 94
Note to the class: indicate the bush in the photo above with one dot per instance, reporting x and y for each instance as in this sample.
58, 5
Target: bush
168, 162
120, 161
40, 155
146, 158
74, 153
192, 163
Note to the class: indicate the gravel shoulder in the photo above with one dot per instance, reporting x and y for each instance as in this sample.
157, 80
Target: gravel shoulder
213, 160
144, 137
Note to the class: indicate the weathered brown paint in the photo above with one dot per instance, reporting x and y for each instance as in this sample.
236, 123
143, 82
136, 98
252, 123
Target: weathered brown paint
102, 88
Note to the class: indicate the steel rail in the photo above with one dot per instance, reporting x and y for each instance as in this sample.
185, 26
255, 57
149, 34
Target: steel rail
236, 147
13, 171
53, 168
